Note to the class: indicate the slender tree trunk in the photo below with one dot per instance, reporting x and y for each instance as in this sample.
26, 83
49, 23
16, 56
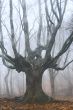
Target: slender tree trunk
70, 88
6, 82
52, 88
52, 82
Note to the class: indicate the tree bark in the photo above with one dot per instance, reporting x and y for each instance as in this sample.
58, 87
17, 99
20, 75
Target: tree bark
34, 92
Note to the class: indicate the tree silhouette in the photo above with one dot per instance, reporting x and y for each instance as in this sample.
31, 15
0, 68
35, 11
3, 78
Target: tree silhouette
33, 64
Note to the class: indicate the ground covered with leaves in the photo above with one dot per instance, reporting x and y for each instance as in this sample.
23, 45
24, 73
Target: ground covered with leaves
55, 105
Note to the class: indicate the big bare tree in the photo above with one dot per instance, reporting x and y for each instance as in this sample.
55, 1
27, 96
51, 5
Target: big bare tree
33, 64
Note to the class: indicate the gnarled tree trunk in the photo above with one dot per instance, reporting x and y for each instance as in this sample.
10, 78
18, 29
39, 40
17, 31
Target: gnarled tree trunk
34, 92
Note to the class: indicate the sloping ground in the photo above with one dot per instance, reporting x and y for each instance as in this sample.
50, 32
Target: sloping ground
55, 105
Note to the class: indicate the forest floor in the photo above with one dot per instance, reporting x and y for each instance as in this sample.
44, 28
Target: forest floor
55, 105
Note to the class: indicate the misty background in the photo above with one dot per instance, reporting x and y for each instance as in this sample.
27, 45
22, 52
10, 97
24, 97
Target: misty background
12, 83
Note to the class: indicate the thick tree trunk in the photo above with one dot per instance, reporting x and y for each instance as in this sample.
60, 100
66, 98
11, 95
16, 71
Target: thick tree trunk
34, 92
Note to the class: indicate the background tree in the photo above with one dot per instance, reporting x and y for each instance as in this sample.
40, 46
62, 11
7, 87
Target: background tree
32, 63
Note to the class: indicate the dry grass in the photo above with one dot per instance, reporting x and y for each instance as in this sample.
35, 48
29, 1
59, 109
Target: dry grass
55, 105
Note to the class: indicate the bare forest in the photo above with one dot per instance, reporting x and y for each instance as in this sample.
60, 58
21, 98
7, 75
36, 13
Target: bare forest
36, 50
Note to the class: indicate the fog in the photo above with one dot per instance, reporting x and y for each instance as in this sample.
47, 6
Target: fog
12, 83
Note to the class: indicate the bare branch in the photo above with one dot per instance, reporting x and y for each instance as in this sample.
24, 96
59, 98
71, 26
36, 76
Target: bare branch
67, 56
8, 66
65, 46
25, 27
9, 34
59, 7
48, 19
34, 58
33, 25
12, 29
52, 40
4, 51
62, 68
40, 24
1, 33
6, 58
54, 12
64, 7
56, 28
